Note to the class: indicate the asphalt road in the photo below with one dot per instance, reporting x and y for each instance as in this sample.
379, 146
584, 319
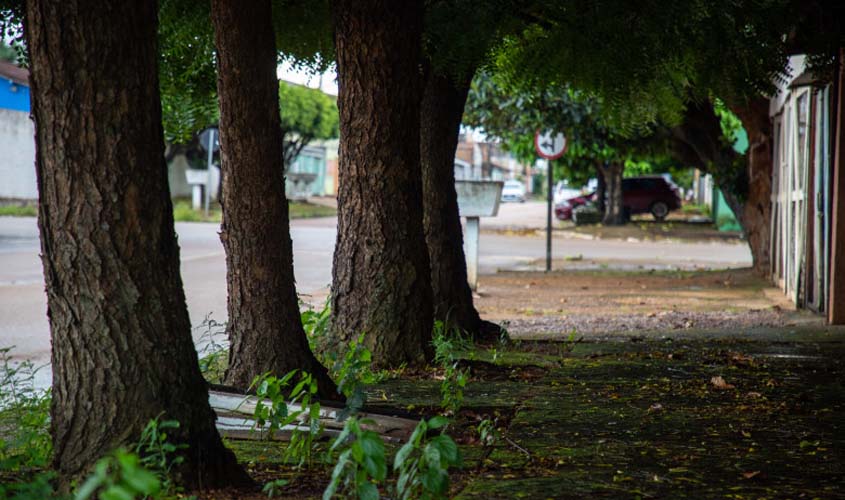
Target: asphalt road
23, 320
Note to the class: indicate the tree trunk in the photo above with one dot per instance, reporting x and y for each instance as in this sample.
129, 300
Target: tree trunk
122, 349
442, 109
755, 215
601, 190
614, 214
265, 329
381, 278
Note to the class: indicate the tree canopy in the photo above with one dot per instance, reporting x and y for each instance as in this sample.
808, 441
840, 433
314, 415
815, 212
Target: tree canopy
307, 115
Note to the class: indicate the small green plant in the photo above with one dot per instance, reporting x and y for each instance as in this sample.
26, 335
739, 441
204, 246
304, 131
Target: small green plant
354, 373
213, 349
488, 434
158, 454
423, 464
277, 414
24, 416
120, 476
361, 464
274, 488
448, 344
316, 323
452, 388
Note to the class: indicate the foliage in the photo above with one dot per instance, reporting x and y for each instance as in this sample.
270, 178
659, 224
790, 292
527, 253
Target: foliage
24, 415
353, 372
447, 344
157, 454
487, 432
361, 464
25, 446
513, 115
274, 488
307, 114
119, 476
423, 464
278, 414
213, 349
187, 73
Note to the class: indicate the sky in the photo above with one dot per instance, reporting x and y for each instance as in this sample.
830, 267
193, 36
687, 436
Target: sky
286, 72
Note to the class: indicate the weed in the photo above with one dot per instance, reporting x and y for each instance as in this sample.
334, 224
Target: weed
447, 346
354, 373
24, 416
361, 464
277, 414
488, 434
158, 455
120, 476
423, 464
274, 488
213, 344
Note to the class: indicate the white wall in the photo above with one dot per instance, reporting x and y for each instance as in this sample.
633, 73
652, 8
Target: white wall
17, 156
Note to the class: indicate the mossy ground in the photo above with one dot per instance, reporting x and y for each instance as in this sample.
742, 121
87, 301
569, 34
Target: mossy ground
634, 419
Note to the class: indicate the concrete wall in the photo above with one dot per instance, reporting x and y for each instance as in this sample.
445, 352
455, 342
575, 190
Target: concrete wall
17, 156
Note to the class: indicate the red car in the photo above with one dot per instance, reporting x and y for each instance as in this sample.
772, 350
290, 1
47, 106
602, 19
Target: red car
652, 194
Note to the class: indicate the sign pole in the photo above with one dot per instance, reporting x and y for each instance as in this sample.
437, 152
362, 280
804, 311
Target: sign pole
550, 197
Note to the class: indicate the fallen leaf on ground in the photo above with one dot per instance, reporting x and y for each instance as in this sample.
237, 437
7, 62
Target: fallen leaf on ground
719, 383
750, 474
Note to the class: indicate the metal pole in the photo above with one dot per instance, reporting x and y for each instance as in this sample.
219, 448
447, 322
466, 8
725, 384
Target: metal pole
208, 170
550, 197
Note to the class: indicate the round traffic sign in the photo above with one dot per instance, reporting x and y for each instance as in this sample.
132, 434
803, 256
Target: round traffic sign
550, 145
210, 135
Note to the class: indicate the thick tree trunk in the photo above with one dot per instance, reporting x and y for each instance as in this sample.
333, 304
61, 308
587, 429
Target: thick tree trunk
756, 212
614, 214
381, 277
745, 185
442, 109
122, 349
264, 326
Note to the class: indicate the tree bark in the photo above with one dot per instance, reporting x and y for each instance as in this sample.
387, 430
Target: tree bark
442, 109
601, 190
122, 349
381, 277
265, 329
614, 214
756, 213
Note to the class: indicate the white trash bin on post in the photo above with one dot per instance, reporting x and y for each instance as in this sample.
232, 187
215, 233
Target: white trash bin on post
476, 199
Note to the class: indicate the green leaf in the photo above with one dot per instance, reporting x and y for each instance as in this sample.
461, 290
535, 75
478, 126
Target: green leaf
142, 481
447, 448
117, 492
437, 422
367, 491
435, 480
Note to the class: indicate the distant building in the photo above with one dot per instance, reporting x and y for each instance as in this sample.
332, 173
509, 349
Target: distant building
482, 160
17, 136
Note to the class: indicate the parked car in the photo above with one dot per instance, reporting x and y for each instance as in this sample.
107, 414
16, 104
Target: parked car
564, 191
513, 191
649, 194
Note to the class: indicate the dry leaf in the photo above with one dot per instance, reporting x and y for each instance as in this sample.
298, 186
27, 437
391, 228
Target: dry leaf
750, 474
719, 383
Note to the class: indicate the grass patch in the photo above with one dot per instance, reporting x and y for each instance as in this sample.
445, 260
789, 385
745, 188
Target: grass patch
183, 212
18, 211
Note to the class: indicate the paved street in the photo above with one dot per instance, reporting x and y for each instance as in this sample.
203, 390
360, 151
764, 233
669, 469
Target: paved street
23, 321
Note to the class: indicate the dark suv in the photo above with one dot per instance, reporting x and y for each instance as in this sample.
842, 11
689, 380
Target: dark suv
649, 194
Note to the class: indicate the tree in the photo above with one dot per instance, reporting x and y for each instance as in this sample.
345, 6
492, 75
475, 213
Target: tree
457, 39
381, 275
122, 349
594, 144
265, 329
307, 115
